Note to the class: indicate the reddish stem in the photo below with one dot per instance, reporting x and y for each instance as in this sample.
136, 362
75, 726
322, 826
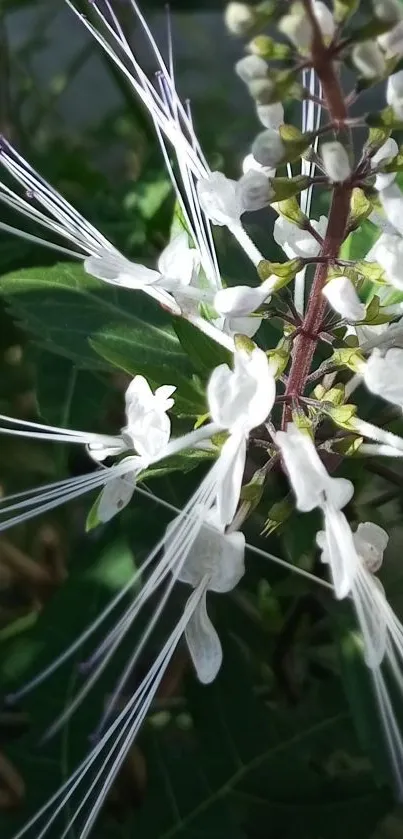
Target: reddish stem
306, 341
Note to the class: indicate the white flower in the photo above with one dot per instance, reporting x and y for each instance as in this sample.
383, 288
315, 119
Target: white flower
383, 375
242, 398
344, 299
297, 27
371, 541
242, 325
392, 202
394, 93
336, 161
384, 155
388, 251
312, 485
239, 18
392, 41
148, 426
298, 242
268, 148
254, 190
239, 400
251, 68
369, 60
220, 199
389, 10
271, 115
242, 300
215, 563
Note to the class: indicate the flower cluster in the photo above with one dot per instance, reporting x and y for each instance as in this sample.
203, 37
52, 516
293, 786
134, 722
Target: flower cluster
339, 316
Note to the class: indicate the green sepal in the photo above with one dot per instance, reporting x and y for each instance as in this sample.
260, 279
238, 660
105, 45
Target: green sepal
373, 316
278, 515
295, 142
286, 271
290, 209
284, 188
269, 49
348, 357
360, 208
342, 415
334, 396
93, 520
384, 119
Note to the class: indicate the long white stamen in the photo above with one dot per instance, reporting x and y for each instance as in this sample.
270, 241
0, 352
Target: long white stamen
366, 429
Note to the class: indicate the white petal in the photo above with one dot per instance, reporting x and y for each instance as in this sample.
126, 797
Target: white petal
388, 251
336, 162
101, 451
368, 594
383, 375
340, 551
233, 457
254, 190
371, 541
177, 262
242, 397
203, 644
118, 492
384, 155
219, 199
118, 270
392, 202
240, 300
271, 116
297, 242
344, 299
214, 554
309, 479
268, 148
249, 164
242, 326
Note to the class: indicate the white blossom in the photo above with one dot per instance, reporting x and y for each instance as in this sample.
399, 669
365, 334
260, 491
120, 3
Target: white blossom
369, 59
215, 563
298, 242
271, 115
383, 375
394, 93
239, 18
344, 299
220, 199
268, 148
392, 41
388, 251
250, 68
239, 301
312, 485
392, 202
384, 155
148, 425
255, 190
336, 161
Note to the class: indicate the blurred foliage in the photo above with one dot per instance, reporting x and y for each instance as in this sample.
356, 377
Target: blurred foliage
285, 743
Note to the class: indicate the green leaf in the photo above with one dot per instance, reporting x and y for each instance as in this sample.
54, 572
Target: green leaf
115, 345
360, 242
63, 307
204, 353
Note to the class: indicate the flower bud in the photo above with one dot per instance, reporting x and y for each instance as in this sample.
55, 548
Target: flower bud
297, 27
389, 10
254, 191
262, 91
392, 41
335, 162
271, 116
268, 148
239, 18
342, 297
250, 68
219, 199
394, 93
384, 155
369, 60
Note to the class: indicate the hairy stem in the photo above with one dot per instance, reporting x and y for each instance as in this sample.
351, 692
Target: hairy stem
305, 343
